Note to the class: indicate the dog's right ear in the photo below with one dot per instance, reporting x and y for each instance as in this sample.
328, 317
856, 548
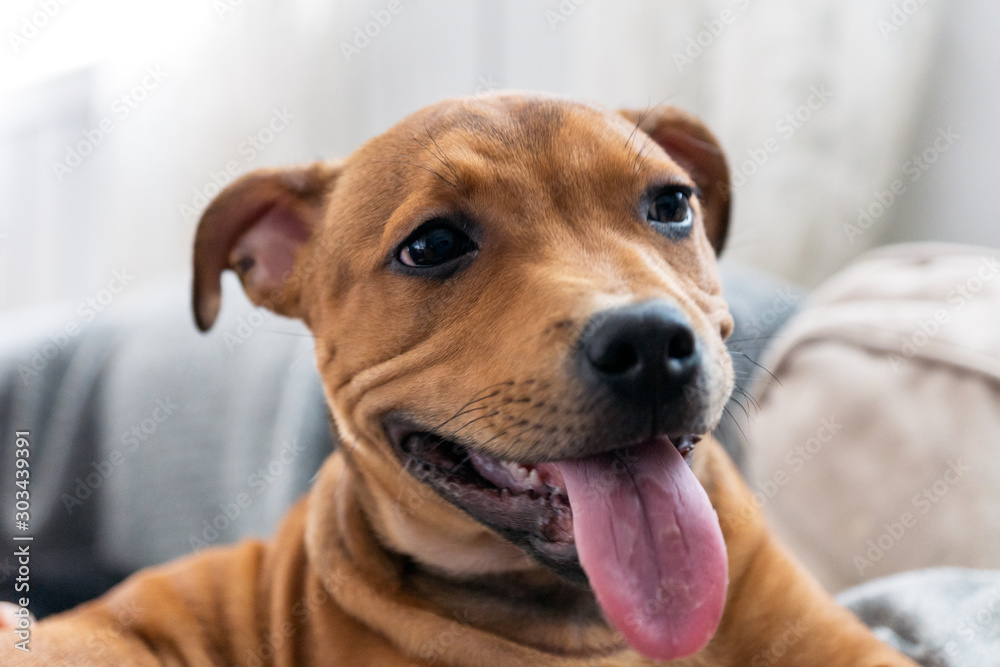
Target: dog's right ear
693, 146
257, 226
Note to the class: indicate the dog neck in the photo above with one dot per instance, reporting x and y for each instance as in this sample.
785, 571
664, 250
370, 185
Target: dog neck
524, 615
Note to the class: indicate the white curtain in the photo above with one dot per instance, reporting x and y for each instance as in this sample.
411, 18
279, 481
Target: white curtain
243, 84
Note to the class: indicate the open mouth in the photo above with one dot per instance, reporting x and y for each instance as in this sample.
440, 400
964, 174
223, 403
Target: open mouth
527, 503
632, 523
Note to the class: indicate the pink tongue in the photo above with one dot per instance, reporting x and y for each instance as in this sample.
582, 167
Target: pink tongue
651, 546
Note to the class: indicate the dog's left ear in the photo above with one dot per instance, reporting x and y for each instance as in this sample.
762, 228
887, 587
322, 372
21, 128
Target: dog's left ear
692, 146
256, 227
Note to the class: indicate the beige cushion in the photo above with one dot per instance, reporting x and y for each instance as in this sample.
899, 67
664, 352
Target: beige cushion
878, 451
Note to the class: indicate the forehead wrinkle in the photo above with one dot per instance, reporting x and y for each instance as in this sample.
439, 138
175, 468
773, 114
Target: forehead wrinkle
502, 153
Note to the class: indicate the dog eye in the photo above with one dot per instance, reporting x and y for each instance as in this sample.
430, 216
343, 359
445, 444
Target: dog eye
670, 212
434, 243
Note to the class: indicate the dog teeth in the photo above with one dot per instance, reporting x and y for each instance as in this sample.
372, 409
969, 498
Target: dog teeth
515, 480
517, 471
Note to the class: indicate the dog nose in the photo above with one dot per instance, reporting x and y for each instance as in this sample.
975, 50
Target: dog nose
642, 351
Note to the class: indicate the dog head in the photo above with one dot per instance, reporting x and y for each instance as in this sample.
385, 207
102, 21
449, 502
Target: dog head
515, 303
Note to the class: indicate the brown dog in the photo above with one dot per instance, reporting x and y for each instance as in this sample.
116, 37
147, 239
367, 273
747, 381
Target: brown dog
519, 327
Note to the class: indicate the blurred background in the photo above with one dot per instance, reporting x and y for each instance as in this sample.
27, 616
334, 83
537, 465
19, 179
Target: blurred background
848, 123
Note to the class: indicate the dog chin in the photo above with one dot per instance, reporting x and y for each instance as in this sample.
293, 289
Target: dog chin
526, 503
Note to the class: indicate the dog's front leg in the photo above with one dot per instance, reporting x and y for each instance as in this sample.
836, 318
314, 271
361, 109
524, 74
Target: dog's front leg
194, 612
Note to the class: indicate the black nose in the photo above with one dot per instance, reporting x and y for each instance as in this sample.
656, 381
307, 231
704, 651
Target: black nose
642, 351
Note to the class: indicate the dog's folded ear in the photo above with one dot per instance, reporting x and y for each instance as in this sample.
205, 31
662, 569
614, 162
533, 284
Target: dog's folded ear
257, 226
692, 146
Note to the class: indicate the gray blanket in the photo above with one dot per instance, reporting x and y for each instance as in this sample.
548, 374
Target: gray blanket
942, 617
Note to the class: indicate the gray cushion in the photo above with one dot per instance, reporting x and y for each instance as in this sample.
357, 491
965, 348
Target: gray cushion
941, 617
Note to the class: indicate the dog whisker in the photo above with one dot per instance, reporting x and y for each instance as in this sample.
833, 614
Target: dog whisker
418, 166
464, 410
443, 157
736, 346
753, 339
287, 333
737, 424
495, 436
736, 401
635, 130
752, 361
749, 398
440, 158
645, 146
474, 420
